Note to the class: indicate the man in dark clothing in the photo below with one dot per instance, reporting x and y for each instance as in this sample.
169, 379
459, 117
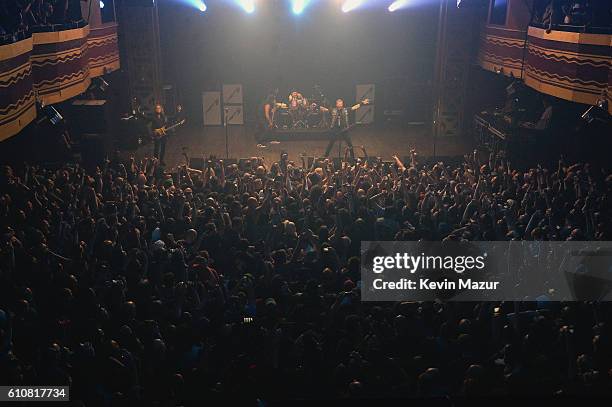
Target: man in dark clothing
340, 123
159, 121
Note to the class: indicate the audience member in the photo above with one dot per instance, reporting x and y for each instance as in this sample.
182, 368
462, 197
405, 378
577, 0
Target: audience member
132, 284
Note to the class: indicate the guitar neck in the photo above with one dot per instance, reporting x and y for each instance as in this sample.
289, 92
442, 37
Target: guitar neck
175, 125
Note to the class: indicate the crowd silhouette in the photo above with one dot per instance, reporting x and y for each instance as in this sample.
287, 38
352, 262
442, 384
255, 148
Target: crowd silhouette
135, 283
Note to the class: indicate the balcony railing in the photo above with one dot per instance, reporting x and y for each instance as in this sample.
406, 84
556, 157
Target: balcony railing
51, 64
570, 64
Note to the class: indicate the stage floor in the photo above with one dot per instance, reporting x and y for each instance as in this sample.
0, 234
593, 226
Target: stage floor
382, 142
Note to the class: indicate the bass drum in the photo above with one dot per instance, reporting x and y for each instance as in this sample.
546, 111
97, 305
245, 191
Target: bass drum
298, 117
282, 119
315, 120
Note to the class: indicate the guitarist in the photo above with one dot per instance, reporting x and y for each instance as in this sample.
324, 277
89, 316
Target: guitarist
340, 123
158, 125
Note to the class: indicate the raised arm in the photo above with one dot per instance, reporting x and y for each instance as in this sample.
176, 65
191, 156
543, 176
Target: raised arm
358, 105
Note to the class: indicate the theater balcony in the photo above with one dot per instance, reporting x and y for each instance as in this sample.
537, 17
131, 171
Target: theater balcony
522, 39
503, 37
574, 66
51, 64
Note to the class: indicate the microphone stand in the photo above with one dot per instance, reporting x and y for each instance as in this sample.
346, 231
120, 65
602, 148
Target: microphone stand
226, 110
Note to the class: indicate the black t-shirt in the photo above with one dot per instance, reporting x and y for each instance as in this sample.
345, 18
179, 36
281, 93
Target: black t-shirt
340, 118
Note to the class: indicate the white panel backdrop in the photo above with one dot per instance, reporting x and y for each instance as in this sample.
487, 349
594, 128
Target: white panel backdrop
211, 103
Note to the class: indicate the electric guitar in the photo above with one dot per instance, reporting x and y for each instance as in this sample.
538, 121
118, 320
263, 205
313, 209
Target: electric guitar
162, 131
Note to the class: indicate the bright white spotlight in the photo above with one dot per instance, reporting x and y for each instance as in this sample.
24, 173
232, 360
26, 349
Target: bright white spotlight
247, 5
202, 6
398, 4
350, 5
297, 6
101, 4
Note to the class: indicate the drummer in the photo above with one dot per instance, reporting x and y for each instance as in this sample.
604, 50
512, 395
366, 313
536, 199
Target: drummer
298, 106
297, 100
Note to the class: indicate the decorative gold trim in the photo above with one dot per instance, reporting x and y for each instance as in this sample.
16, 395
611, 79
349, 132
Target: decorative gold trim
567, 94
54, 55
60, 36
505, 62
505, 40
8, 78
502, 28
51, 91
15, 49
14, 109
505, 70
104, 26
67, 93
575, 55
571, 37
111, 36
15, 126
59, 59
592, 85
109, 67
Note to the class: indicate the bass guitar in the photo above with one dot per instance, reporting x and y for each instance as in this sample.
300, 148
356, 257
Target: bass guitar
162, 131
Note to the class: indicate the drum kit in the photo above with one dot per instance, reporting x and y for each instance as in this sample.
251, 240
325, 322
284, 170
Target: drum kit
301, 113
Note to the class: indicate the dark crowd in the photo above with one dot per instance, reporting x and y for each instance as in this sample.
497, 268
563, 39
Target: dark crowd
18, 18
138, 284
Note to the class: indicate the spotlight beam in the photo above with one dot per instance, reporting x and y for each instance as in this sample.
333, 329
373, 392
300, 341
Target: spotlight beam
298, 6
247, 5
398, 4
350, 5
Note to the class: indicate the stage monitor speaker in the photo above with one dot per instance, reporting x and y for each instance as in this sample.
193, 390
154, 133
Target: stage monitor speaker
211, 103
234, 115
89, 116
198, 162
232, 94
337, 162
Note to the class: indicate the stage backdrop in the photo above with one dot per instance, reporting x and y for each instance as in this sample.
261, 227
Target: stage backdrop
272, 48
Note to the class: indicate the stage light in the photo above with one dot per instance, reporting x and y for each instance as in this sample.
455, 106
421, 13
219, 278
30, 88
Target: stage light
298, 6
398, 4
350, 5
101, 4
247, 5
202, 6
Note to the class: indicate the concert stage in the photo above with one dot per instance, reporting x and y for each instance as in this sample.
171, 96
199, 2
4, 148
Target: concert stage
243, 142
292, 135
